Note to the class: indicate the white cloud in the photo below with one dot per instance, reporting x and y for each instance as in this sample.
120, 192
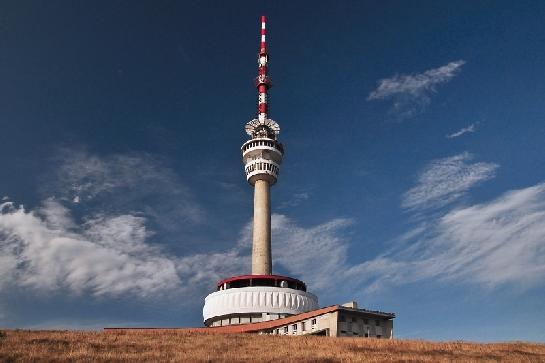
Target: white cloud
53, 253
490, 244
45, 250
464, 130
411, 93
446, 180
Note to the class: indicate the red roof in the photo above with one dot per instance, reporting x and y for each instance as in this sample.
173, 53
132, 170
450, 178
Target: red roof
242, 328
264, 277
271, 324
264, 325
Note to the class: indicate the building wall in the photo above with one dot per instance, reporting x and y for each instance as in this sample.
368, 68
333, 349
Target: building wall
319, 324
353, 324
331, 324
235, 319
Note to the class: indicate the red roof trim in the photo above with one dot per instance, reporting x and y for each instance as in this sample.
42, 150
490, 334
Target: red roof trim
265, 277
245, 328
265, 325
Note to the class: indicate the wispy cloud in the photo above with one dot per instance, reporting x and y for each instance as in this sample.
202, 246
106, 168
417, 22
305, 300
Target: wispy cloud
490, 244
464, 130
411, 93
446, 180
117, 183
313, 253
295, 200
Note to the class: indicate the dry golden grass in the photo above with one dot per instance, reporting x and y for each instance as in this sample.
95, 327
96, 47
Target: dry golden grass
182, 345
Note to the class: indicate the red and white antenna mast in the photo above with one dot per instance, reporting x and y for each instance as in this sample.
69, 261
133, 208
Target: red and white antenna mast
263, 83
262, 126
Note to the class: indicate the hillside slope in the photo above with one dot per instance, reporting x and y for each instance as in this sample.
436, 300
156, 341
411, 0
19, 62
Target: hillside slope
184, 345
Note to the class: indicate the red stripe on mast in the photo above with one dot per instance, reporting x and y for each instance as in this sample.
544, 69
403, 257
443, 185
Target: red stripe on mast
262, 80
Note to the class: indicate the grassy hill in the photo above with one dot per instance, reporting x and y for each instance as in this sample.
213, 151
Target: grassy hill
184, 345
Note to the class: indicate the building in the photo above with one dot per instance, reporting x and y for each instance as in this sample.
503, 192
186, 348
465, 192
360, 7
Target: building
336, 321
262, 302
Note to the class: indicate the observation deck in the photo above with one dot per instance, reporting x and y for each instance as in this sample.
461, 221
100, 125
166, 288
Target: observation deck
262, 158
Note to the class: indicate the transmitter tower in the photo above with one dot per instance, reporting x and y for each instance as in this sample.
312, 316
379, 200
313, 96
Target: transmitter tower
262, 156
260, 296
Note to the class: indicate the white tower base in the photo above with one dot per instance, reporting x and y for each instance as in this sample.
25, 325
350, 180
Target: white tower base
254, 304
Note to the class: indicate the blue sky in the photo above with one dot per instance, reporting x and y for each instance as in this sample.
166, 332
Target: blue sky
413, 178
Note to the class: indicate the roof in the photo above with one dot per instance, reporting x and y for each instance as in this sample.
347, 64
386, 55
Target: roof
374, 312
264, 277
271, 324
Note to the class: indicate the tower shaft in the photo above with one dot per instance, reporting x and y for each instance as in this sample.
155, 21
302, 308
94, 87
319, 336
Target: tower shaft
261, 249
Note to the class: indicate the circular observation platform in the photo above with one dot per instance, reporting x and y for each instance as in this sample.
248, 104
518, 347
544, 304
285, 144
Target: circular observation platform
262, 157
255, 298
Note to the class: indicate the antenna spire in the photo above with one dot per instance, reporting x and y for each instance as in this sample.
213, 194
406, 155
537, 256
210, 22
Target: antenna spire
262, 82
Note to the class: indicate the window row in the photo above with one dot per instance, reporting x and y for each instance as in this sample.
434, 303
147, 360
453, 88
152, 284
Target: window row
262, 166
343, 318
257, 143
295, 328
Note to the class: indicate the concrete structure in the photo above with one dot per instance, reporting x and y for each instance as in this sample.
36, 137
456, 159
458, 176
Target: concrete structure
255, 304
345, 320
256, 298
263, 302
337, 321
260, 296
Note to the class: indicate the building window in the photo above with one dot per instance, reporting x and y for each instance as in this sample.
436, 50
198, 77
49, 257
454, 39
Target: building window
377, 322
294, 328
277, 331
313, 322
303, 328
285, 330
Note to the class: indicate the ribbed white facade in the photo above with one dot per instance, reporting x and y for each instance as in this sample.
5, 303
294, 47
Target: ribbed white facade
258, 299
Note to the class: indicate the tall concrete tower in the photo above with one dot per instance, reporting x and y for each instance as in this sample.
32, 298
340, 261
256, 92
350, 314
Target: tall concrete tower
262, 156
260, 296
